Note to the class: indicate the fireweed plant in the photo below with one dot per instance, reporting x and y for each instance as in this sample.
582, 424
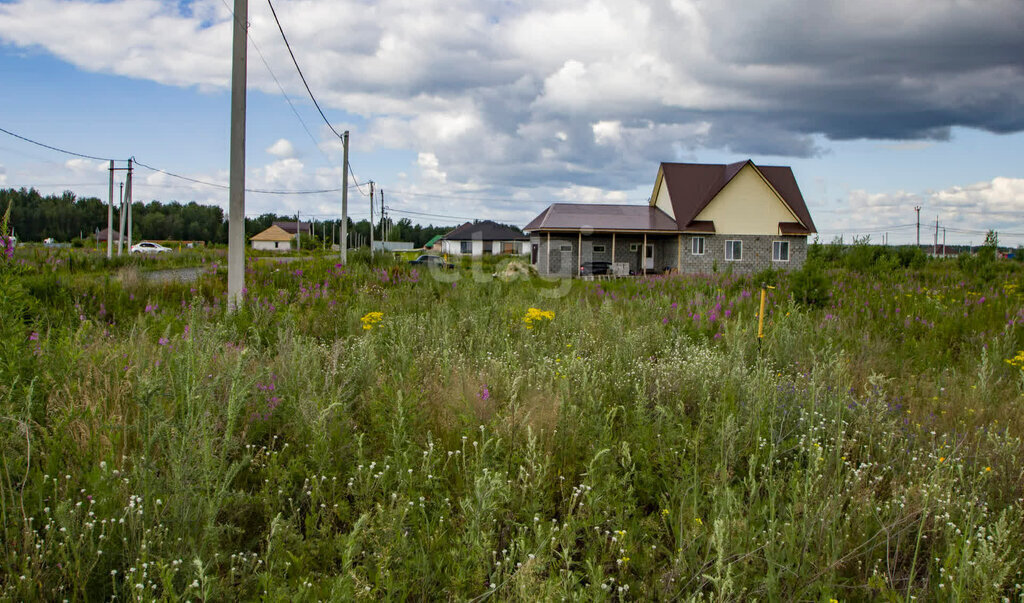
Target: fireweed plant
639, 443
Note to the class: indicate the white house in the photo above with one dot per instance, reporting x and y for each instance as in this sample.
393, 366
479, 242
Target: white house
484, 238
273, 239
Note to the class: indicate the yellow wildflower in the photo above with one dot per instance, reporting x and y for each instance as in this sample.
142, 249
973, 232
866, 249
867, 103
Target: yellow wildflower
664, 512
697, 521
370, 319
535, 315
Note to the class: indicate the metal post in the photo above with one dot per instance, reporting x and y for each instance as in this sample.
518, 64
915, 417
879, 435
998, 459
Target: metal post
548, 253
643, 255
110, 214
613, 253
917, 209
343, 236
236, 195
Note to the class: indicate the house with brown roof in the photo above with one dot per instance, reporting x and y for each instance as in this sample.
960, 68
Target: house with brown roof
272, 239
484, 238
700, 218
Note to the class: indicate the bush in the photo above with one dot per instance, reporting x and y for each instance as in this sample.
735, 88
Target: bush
809, 286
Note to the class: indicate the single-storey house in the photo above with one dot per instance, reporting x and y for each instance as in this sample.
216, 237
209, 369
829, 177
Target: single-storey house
434, 240
273, 239
484, 238
102, 235
701, 217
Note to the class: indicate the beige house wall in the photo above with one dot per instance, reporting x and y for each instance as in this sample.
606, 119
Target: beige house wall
748, 205
662, 200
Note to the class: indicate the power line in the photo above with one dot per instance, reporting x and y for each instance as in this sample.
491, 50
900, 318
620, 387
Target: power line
53, 148
419, 213
226, 187
299, 69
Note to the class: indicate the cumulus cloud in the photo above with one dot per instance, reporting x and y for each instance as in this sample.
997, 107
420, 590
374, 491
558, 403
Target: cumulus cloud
281, 148
587, 93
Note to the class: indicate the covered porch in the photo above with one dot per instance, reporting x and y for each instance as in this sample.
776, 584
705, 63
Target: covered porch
629, 253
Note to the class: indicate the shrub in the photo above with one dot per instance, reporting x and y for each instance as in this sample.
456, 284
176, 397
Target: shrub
809, 286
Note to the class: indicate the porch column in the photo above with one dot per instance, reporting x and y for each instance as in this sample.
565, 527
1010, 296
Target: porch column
643, 256
579, 252
548, 254
613, 247
679, 254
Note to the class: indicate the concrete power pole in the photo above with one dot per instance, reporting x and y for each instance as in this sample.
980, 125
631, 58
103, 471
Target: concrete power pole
371, 221
935, 248
120, 220
343, 235
298, 232
110, 214
943, 241
917, 208
128, 203
236, 195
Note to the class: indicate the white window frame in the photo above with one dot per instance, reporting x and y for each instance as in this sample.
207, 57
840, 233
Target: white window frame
634, 247
598, 249
728, 243
463, 247
778, 245
694, 245
565, 246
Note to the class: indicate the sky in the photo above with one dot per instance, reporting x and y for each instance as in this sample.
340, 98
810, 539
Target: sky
493, 109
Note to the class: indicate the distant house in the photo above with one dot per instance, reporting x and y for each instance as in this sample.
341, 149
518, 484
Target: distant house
700, 217
392, 246
102, 235
273, 239
484, 238
293, 227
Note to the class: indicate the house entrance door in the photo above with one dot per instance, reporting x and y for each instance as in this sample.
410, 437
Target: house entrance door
533, 253
649, 260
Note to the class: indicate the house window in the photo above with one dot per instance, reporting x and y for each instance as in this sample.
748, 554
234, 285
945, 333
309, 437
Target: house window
565, 247
634, 246
780, 251
697, 245
466, 247
598, 248
275, 244
733, 250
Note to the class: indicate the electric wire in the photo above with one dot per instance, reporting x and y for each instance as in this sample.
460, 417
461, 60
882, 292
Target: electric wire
53, 148
226, 187
299, 69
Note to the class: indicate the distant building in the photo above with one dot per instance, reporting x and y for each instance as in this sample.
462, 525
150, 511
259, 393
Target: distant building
101, 236
434, 242
484, 238
273, 239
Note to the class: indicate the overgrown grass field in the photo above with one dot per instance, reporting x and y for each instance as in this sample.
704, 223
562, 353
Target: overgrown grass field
366, 433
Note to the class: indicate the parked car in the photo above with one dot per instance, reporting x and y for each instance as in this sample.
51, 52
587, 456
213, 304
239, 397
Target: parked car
594, 268
149, 247
431, 261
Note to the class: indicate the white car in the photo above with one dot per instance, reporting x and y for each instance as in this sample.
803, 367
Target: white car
148, 247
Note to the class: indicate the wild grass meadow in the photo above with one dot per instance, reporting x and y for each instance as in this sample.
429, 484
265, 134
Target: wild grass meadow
374, 432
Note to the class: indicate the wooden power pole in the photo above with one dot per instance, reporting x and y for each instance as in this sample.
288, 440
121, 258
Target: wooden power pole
236, 195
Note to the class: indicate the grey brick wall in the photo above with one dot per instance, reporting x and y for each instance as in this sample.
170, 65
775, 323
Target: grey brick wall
757, 253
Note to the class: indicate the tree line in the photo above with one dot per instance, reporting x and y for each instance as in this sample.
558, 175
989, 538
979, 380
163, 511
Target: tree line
69, 218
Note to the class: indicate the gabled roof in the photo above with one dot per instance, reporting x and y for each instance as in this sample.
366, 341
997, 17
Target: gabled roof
433, 240
691, 186
574, 216
274, 233
486, 230
292, 228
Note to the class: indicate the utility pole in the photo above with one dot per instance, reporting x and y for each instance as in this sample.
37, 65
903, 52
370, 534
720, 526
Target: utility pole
128, 200
935, 248
343, 235
383, 218
236, 195
298, 231
110, 214
371, 221
943, 241
917, 208
120, 220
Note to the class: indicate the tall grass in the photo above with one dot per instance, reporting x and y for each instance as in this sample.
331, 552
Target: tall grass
641, 444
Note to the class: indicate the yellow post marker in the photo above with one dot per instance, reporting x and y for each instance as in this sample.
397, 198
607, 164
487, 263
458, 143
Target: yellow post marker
760, 313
